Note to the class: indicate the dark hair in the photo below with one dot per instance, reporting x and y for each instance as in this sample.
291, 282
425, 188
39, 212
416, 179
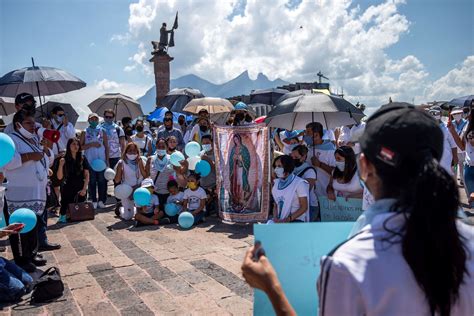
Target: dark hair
172, 184
71, 163
206, 137
287, 163
20, 116
126, 120
168, 112
301, 149
431, 244
194, 175
139, 121
350, 166
56, 109
109, 111
316, 127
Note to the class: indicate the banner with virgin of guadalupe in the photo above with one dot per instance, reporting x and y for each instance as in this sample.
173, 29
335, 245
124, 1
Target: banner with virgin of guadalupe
242, 170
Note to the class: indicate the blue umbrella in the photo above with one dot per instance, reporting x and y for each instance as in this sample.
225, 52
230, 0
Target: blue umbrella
462, 101
159, 114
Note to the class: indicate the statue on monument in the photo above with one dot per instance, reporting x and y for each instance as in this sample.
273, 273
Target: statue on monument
161, 47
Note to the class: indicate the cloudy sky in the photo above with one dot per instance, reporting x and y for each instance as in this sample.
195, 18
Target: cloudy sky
419, 50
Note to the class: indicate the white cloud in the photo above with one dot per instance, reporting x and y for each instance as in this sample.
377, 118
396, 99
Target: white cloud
81, 98
335, 36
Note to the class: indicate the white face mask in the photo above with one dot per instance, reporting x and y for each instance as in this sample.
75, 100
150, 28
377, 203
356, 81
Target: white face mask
25, 133
340, 165
280, 172
161, 152
207, 147
132, 156
437, 117
457, 117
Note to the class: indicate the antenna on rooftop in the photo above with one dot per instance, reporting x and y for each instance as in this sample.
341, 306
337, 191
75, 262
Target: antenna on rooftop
320, 75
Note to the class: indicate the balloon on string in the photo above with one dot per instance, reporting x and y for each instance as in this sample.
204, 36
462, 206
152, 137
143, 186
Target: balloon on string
186, 220
142, 197
109, 174
176, 158
24, 216
203, 168
192, 161
7, 149
123, 191
171, 209
192, 149
98, 165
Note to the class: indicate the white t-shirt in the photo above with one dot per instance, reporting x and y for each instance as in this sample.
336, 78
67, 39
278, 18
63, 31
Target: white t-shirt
309, 174
142, 142
325, 154
448, 145
173, 198
154, 202
345, 189
344, 135
287, 199
194, 198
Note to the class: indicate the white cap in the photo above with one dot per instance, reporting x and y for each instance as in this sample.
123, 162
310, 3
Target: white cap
147, 183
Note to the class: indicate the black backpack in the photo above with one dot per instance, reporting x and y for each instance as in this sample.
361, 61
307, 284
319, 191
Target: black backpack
48, 287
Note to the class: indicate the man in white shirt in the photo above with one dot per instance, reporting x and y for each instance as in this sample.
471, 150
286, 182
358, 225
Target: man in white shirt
450, 150
60, 122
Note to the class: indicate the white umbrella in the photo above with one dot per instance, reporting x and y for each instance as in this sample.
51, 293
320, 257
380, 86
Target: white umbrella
211, 105
123, 106
7, 106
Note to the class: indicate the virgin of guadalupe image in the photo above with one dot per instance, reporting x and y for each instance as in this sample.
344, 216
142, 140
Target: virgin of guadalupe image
239, 166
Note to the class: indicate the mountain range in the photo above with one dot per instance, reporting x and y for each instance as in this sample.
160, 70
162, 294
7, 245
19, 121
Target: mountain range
242, 84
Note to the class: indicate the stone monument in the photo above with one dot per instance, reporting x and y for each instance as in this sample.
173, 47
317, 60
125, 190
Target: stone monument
161, 61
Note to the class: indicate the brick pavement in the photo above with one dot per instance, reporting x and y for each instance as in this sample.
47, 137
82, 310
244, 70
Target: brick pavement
109, 267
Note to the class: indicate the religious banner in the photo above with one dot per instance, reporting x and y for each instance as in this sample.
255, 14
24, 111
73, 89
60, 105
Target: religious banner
340, 210
242, 170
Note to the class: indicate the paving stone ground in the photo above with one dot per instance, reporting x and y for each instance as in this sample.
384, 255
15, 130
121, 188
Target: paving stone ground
109, 267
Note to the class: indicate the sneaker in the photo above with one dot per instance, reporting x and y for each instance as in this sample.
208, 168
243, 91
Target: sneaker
94, 204
62, 219
164, 221
101, 204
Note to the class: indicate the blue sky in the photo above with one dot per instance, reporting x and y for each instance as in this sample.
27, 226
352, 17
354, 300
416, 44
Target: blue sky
75, 35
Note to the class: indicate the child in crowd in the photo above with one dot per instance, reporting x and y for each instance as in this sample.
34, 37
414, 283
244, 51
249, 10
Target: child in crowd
195, 199
150, 214
176, 197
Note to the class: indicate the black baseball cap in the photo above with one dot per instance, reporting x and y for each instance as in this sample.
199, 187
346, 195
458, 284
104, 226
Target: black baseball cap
23, 98
399, 131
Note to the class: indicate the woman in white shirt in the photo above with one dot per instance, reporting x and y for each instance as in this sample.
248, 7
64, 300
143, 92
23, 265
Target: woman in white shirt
415, 257
345, 181
143, 141
290, 193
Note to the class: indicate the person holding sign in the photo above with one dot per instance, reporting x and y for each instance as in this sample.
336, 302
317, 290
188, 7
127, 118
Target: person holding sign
289, 192
416, 257
345, 180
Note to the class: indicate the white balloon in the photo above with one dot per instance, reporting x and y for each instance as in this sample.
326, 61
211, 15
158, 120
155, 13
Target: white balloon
192, 161
123, 191
109, 174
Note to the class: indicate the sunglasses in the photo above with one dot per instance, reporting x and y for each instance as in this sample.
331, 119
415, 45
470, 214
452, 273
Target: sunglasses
168, 119
108, 117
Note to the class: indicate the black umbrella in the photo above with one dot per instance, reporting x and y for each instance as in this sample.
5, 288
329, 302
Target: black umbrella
71, 114
292, 94
462, 101
266, 96
176, 99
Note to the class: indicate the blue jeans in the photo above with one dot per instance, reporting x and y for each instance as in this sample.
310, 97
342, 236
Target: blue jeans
198, 218
42, 224
97, 181
14, 282
469, 179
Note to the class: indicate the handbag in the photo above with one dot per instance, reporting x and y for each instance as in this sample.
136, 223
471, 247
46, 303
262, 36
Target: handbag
82, 211
48, 287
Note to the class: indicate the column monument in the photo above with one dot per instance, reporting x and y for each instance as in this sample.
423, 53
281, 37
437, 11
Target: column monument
161, 60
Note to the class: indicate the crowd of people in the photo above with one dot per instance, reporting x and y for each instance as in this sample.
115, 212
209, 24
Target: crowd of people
307, 164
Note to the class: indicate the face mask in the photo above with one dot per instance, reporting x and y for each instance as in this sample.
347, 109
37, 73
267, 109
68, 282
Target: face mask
203, 128
129, 132
25, 133
297, 162
60, 118
280, 172
180, 122
207, 147
93, 124
161, 152
308, 140
192, 185
437, 117
132, 157
457, 117
108, 120
169, 127
340, 165
139, 128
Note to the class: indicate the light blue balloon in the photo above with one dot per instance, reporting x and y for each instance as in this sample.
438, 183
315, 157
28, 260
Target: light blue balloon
176, 157
186, 220
142, 197
7, 149
171, 209
203, 168
192, 149
98, 165
24, 216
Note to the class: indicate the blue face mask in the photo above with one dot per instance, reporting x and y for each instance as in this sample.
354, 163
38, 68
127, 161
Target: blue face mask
308, 140
362, 183
108, 121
